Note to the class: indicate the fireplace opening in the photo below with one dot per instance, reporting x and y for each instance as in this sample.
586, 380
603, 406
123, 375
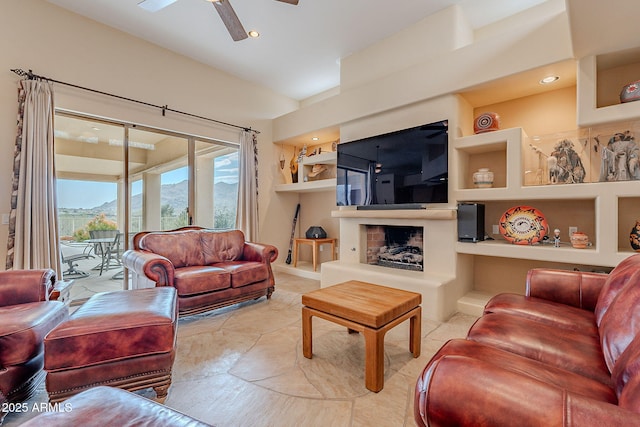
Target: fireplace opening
395, 246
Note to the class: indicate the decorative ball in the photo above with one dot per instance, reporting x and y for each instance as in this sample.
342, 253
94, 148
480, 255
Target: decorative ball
486, 122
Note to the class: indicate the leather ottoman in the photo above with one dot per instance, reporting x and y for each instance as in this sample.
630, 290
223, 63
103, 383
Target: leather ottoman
108, 406
124, 339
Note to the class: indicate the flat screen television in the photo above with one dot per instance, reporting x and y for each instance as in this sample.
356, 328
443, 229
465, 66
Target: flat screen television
401, 169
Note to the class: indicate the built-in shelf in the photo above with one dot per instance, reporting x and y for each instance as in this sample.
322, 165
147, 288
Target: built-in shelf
308, 187
311, 185
600, 81
546, 252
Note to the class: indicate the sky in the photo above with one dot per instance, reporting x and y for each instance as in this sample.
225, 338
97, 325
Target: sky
89, 194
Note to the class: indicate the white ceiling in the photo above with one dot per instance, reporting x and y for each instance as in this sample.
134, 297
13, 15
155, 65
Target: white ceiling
298, 53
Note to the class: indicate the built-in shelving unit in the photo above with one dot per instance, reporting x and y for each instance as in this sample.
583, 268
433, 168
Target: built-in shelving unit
600, 81
601, 209
325, 182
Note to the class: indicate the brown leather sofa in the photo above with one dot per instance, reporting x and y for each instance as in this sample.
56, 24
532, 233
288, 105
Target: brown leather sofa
210, 269
567, 353
26, 316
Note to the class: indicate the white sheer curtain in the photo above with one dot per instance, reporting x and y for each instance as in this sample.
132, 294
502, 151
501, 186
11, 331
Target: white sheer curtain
33, 222
247, 213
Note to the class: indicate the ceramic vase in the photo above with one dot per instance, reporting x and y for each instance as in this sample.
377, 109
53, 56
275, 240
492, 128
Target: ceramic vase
579, 240
483, 178
634, 237
486, 122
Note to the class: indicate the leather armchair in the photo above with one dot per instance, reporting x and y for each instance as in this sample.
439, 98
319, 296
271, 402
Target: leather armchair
26, 316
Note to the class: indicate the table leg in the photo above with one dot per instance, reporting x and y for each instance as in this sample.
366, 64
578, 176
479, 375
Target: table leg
307, 334
315, 255
374, 359
295, 253
333, 249
415, 334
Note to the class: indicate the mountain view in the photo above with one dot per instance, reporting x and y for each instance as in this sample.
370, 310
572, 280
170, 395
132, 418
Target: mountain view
175, 195
173, 201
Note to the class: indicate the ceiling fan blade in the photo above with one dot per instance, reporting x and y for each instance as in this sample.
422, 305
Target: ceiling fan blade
155, 5
289, 1
230, 20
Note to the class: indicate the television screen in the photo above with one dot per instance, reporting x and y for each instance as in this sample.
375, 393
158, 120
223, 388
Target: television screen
404, 167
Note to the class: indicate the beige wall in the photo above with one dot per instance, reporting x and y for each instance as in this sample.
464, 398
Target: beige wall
55, 43
541, 37
538, 115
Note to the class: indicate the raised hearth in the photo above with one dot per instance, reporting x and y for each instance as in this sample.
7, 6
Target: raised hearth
439, 281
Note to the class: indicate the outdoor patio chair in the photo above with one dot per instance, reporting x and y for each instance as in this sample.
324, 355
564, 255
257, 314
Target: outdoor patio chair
70, 260
113, 254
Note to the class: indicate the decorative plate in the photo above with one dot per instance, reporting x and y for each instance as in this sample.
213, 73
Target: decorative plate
523, 225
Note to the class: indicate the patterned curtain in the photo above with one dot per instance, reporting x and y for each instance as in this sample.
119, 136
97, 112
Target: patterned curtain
247, 213
33, 221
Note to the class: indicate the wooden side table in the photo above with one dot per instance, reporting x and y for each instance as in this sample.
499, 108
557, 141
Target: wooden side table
62, 291
367, 308
315, 244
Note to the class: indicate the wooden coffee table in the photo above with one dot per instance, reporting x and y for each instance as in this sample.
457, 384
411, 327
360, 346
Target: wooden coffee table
367, 308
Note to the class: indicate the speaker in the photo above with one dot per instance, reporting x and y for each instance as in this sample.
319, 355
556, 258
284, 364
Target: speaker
470, 222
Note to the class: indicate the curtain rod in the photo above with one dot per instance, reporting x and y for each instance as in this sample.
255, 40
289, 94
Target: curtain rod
31, 76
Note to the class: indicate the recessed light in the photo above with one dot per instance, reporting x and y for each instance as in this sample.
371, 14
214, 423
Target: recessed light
254, 34
549, 79
315, 138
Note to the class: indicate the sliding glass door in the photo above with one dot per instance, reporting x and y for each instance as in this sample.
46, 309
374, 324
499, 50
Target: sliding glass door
116, 179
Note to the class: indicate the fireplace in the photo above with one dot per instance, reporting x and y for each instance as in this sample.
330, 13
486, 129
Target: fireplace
395, 246
441, 282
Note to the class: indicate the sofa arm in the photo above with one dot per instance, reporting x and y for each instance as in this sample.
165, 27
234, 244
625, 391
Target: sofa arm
259, 252
462, 391
23, 286
574, 288
150, 265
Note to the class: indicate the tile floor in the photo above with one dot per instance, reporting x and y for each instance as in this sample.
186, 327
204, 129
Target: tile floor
243, 366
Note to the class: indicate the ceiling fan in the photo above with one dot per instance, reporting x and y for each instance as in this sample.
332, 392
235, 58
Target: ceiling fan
226, 12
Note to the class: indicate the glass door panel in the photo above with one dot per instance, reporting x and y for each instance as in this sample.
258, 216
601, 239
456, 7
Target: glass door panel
159, 177
89, 171
217, 185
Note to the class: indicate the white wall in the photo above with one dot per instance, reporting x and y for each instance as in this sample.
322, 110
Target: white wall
541, 37
61, 45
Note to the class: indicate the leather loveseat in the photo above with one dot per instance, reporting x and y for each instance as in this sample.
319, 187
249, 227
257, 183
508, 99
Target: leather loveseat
210, 269
26, 316
567, 353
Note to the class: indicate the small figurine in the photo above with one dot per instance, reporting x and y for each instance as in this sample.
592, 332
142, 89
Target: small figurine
556, 237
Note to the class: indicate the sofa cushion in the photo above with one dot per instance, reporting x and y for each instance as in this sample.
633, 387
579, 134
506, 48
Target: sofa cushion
616, 281
561, 378
621, 322
220, 246
562, 348
245, 272
199, 279
23, 328
545, 311
182, 248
